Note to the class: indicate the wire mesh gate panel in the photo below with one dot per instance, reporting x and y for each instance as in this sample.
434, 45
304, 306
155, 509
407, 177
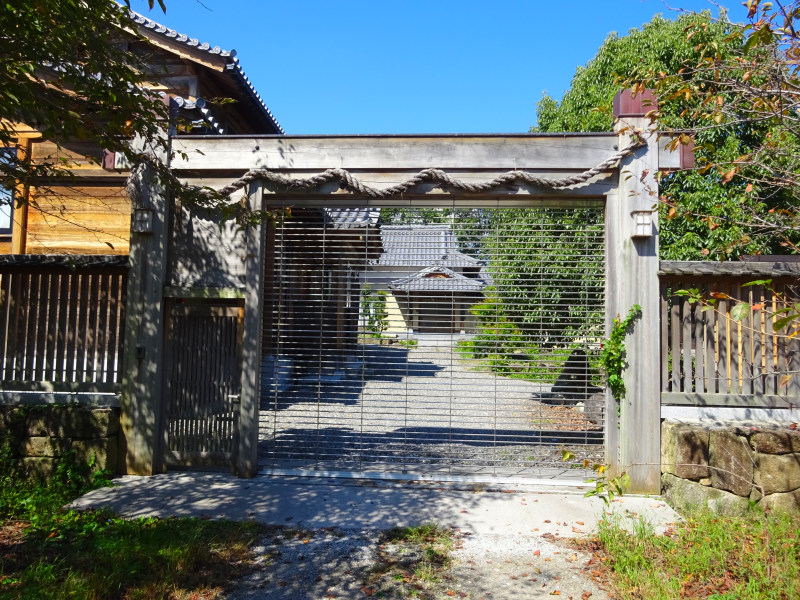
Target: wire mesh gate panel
438, 342
203, 381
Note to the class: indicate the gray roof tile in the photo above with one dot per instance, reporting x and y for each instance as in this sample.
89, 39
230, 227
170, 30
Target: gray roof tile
421, 246
349, 218
232, 66
437, 279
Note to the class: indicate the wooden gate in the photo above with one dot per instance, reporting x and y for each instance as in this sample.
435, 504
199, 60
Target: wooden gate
202, 383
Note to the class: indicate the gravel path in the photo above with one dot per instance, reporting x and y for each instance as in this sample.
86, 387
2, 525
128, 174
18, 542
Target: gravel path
306, 565
425, 407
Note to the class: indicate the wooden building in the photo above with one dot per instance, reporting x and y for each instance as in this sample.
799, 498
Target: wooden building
430, 283
90, 214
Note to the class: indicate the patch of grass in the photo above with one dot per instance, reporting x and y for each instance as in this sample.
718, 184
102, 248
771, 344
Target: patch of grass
412, 561
52, 552
409, 343
706, 556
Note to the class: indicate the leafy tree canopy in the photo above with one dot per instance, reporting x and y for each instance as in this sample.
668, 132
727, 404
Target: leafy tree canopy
713, 211
66, 73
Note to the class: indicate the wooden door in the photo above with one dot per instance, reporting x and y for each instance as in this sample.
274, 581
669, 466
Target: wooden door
202, 384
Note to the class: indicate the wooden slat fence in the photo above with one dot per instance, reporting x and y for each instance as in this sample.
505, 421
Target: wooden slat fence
707, 358
61, 322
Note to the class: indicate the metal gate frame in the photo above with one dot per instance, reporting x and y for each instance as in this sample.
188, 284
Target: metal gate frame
368, 444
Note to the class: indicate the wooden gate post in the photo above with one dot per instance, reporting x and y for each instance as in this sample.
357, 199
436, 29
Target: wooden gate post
247, 463
143, 352
632, 279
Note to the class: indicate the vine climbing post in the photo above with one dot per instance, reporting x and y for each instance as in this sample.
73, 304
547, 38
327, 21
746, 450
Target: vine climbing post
633, 441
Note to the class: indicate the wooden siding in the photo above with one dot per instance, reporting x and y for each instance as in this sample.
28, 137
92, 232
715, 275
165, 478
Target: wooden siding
83, 219
61, 325
708, 359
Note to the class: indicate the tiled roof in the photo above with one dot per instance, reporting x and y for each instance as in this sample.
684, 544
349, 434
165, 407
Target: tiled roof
421, 246
232, 65
437, 279
349, 218
206, 118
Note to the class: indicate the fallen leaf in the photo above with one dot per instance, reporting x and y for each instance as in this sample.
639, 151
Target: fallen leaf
450, 593
586, 595
537, 552
555, 593
368, 591
580, 523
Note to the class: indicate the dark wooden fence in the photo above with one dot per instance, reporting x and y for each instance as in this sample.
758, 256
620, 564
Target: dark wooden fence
203, 381
61, 322
710, 359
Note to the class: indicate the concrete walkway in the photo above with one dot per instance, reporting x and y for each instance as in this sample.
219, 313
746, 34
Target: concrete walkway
315, 503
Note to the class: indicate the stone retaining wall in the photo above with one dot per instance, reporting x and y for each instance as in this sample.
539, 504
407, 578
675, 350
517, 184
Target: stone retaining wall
728, 468
38, 435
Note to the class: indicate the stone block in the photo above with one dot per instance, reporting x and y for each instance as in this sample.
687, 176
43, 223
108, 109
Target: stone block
44, 446
775, 442
684, 450
12, 423
731, 461
593, 409
777, 473
73, 422
787, 502
39, 467
685, 495
38, 423
103, 450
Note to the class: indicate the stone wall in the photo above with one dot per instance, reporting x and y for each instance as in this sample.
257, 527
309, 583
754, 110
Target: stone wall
730, 467
38, 435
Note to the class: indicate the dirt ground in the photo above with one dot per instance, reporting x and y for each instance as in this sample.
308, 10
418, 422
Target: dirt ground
332, 563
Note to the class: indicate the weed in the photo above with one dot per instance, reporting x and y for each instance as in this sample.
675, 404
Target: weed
612, 355
605, 487
706, 556
61, 553
409, 343
412, 559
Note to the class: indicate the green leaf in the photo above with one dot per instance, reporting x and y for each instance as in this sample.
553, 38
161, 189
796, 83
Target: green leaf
740, 311
781, 323
758, 282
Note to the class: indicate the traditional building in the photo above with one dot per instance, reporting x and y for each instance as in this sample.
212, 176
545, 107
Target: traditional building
431, 283
90, 213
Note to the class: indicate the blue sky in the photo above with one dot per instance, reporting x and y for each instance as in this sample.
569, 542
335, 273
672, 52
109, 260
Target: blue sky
435, 66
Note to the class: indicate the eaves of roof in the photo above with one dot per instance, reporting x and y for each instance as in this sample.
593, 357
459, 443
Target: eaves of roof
229, 56
350, 218
437, 279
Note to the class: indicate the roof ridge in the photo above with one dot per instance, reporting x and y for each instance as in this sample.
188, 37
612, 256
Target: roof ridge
232, 63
